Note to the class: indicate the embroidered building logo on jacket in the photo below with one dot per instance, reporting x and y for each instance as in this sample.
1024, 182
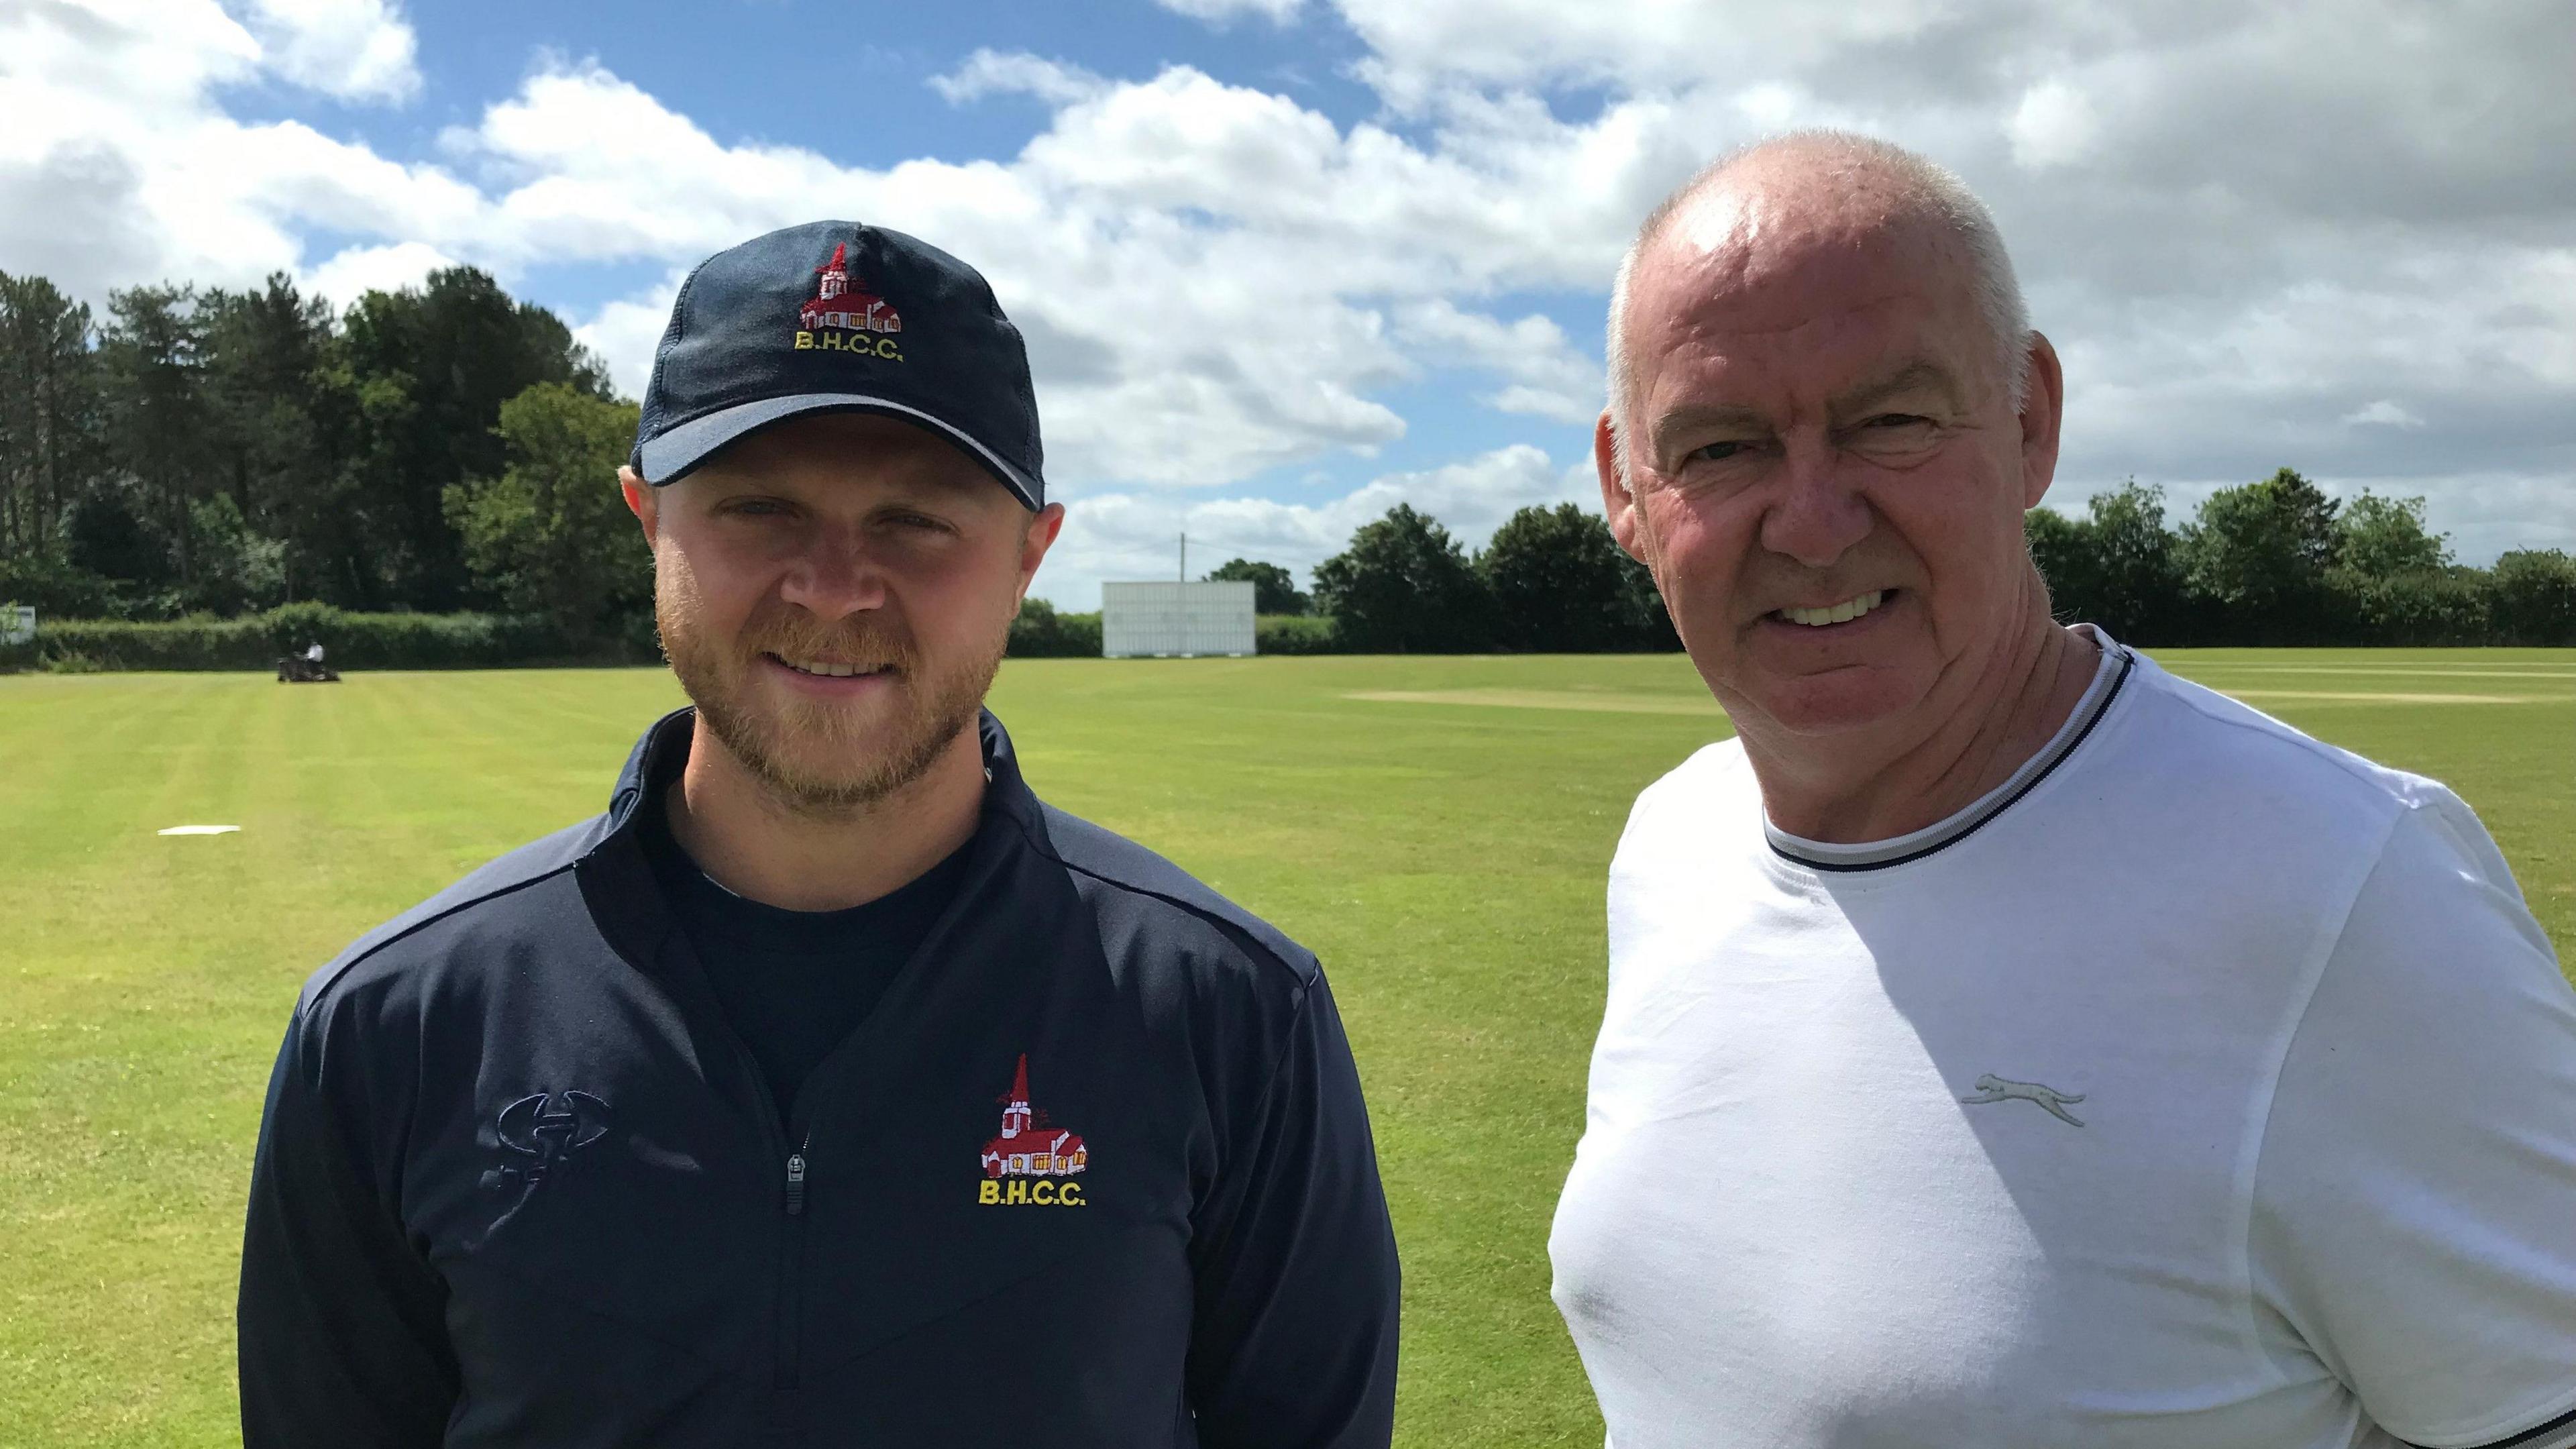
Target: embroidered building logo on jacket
546, 1128
841, 317
1030, 1147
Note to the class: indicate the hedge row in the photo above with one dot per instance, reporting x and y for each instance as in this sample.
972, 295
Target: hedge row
350, 641
482, 641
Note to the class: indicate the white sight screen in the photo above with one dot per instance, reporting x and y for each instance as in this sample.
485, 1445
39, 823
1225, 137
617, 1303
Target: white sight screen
1150, 620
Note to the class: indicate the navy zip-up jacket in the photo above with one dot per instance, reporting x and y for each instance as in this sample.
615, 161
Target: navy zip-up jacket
1095, 1171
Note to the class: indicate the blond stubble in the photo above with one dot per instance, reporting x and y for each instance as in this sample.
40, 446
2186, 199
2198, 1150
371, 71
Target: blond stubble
811, 757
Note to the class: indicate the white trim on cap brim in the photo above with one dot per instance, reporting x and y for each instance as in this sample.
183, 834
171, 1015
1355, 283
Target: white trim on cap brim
678, 452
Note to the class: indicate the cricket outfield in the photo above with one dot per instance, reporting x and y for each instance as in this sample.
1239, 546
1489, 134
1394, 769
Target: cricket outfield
1435, 828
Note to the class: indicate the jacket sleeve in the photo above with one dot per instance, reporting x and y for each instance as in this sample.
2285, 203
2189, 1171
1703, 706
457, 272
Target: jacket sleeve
1293, 1345
342, 1326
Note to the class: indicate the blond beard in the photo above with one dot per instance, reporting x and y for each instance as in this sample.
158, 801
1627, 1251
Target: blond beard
874, 760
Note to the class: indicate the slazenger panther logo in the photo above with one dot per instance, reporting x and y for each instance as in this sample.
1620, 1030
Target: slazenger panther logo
546, 1129
1991, 1088
1030, 1147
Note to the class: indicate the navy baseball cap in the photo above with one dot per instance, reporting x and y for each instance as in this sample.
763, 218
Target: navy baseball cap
833, 316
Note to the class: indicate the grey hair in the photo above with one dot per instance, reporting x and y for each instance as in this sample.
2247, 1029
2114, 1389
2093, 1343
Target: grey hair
1922, 186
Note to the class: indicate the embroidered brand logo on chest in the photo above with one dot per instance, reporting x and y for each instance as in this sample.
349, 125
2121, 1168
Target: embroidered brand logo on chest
1031, 1160
544, 1130
1991, 1088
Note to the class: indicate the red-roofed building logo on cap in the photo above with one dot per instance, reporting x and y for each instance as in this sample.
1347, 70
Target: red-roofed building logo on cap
839, 316
1030, 1147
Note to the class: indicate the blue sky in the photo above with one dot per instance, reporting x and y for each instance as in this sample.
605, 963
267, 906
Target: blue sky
734, 68
1284, 263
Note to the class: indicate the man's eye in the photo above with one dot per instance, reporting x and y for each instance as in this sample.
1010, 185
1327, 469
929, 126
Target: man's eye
756, 507
1894, 435
1720, 452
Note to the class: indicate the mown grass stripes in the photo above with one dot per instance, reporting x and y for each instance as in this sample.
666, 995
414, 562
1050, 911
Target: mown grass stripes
1444, 857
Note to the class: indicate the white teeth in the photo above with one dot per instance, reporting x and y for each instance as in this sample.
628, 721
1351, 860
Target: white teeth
828, 671
1841, 613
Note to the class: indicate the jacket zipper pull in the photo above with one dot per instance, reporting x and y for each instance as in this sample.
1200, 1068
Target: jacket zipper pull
795, 1183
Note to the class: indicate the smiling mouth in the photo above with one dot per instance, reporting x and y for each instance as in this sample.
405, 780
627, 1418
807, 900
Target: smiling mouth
825, 669
1842, 613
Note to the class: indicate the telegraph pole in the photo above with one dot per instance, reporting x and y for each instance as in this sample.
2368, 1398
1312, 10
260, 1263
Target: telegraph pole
1185, 556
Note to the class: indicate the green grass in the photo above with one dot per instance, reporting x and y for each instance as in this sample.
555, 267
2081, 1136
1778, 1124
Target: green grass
1444, 857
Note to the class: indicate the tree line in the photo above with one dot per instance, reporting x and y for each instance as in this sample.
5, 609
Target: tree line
1551, 581
445, 448
209, 451
2280, 562
2273, 562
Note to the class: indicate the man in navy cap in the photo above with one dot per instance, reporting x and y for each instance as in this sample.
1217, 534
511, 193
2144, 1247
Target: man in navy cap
829, 1088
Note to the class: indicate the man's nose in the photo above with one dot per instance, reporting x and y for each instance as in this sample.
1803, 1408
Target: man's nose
1818, 514
835, 575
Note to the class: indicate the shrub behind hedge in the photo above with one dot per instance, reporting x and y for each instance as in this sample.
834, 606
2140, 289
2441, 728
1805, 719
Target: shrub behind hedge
1294, 634
54, 587
1040, 632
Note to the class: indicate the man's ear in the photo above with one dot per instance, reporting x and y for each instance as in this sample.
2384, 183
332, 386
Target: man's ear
1036, 539
2043, 408
1618, 503
642, 501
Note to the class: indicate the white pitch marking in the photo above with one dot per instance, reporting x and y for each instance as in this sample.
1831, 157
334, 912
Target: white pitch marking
200, 830
2433, 671
2363, 697
1605, 701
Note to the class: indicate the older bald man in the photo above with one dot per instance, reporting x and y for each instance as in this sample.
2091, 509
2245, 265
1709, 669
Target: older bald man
2008, 1043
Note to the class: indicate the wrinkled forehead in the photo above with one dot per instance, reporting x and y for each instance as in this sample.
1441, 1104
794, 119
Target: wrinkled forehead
1753, 273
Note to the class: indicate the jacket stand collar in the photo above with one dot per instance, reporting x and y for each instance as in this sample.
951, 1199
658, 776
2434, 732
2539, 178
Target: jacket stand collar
663, 750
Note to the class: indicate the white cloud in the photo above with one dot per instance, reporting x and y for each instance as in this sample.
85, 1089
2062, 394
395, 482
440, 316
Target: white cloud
625, 333
359, 270
356, 50
118, 165
1547, 376
1277, 12
2384, 413
1202, 270
2053, 126
992, 72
